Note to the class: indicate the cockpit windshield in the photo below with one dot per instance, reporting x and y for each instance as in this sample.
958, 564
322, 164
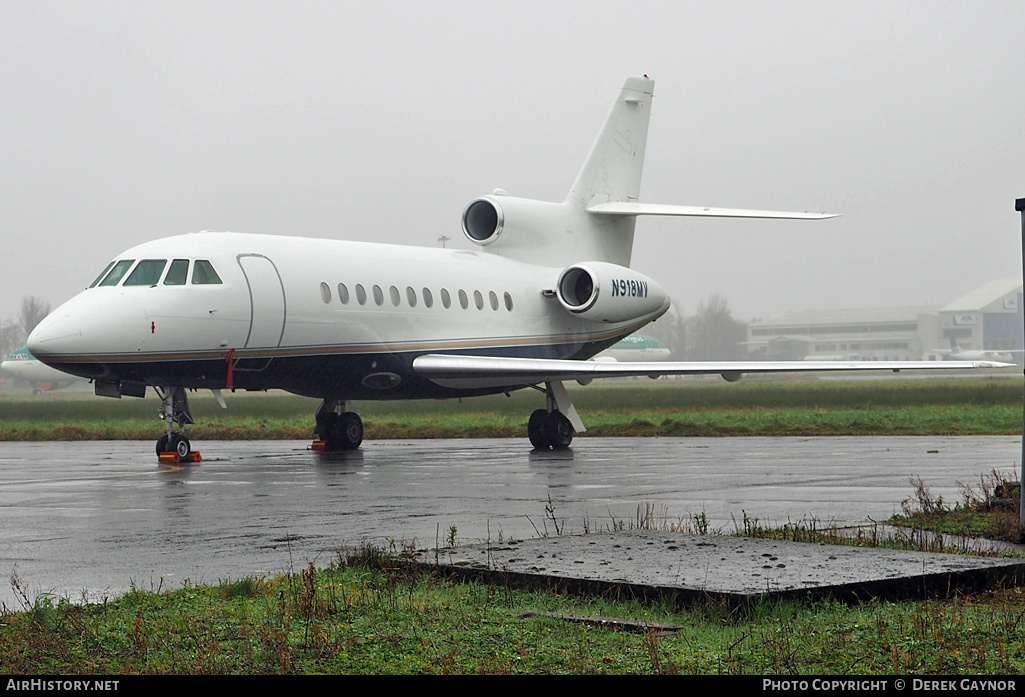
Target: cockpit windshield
203, 273
102, 274
146, 273
178, 272
117, 273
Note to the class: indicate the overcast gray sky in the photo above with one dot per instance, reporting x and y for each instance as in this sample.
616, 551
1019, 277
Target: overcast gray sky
379, 121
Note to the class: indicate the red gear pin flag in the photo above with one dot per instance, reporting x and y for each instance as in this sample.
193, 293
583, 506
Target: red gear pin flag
231, 367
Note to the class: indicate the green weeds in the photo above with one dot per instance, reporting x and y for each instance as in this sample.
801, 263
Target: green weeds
376, 613
988, 508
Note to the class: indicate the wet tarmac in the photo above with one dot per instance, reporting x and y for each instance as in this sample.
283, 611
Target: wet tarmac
94, 519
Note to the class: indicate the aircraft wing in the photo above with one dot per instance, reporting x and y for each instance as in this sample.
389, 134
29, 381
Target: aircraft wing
468, 372
631, 208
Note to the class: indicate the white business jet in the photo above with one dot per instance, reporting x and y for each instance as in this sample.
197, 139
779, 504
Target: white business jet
549, 286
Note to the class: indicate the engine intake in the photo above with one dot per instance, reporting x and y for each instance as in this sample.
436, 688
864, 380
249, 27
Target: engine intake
483, 221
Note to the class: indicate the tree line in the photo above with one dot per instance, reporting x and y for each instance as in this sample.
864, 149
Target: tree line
711, 334
14, 332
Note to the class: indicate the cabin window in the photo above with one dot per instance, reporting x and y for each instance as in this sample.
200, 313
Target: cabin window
178, 272
463, 301
104, 273
493, 297
508, 302
325, 292
118, 272
378, 295
428, 298
446, 299
343, 294
478, 300
361, 294
203, 274
394, 293
411, 296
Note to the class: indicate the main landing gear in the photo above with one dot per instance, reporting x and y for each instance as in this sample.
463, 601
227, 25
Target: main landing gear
336, 428
552, 428
174, 446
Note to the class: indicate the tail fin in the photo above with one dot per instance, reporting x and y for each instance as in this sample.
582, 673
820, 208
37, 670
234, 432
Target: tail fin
570, 232
612, 171
596, 220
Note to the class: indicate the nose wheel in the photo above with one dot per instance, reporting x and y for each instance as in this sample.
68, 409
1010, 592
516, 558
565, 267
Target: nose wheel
177, 443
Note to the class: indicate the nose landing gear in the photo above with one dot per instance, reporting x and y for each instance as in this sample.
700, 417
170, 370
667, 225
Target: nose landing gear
174, 446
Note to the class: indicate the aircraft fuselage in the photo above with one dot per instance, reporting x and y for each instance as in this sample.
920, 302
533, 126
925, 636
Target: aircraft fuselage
317, 317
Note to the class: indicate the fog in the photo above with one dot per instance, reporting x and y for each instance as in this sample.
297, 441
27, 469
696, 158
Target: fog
123, 122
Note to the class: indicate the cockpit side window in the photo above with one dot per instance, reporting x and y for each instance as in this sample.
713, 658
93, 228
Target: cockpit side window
146, 273
104, 273
203, 274
178, 272
117, 273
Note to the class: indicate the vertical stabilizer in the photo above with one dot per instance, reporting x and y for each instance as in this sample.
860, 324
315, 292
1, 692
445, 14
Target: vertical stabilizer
575, 230
612, 172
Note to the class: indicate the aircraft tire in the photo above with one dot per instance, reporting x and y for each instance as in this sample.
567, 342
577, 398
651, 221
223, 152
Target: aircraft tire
181, 445
344, 432
558, 431
162, 443
536, 430
350, 430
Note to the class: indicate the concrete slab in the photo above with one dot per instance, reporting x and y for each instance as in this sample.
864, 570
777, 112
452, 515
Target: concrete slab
734, 570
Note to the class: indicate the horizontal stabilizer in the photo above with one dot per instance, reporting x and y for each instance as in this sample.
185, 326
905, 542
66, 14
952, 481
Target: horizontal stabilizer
629, 208
489, 371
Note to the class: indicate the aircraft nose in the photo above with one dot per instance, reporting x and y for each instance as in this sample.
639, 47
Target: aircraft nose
88, 324
47, 335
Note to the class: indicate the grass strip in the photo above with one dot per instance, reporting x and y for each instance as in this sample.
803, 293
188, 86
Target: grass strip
977, 406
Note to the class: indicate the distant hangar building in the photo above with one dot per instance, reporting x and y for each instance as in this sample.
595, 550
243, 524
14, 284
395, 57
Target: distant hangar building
989, 317
875, 334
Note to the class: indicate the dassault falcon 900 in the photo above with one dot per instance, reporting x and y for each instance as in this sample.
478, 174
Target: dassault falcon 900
549, 286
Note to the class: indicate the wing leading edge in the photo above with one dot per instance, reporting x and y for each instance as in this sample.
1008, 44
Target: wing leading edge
468, 372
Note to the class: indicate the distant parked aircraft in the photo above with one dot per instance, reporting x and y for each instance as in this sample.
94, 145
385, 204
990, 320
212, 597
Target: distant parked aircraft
24, 366
957, 353
633, 348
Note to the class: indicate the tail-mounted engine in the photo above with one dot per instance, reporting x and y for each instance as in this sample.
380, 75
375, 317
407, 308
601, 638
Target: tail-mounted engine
524, 222
605, 292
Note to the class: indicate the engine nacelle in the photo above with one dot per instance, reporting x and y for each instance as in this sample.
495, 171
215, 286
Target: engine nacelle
524, 222
604, 292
